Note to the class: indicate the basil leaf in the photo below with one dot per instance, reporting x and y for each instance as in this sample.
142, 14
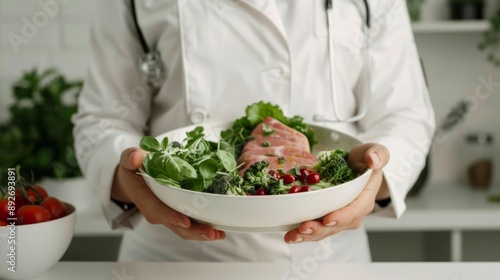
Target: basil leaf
179, 169
227, 160
164, 143
145, 163
165, 180
208, 168
150, 144
194, 135
201, 146
153, 165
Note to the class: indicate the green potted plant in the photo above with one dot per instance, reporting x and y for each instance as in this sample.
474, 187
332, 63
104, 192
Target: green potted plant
466, 9
414, 9
491, 41
38, 136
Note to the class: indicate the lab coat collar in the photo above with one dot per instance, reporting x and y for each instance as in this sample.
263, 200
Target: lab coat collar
269, 9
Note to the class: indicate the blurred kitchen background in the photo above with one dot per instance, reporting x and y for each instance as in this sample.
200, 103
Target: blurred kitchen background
447, 219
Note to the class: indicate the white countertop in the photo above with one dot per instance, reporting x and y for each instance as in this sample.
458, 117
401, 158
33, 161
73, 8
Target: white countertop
437, 207
264, 271
443, 207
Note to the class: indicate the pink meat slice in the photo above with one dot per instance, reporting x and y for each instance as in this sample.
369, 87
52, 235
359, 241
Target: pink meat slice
278, 151
287, 149
282, 133
259, 140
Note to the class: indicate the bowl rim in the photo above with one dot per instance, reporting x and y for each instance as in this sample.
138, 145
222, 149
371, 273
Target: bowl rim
70, 209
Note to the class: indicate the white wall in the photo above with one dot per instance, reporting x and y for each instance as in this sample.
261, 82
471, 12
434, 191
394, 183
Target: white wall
452, 62
454, 67
59, 40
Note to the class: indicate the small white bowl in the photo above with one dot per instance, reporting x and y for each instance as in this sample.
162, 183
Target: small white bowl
38, 247
269, 213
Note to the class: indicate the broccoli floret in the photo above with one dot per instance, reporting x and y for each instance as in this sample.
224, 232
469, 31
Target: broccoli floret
332, 167
229, 184
278, 187
256, 174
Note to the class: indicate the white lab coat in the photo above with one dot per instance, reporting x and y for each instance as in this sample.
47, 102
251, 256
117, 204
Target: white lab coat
222, 55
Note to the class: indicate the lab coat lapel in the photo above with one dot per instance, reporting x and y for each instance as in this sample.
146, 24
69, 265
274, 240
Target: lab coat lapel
269, 9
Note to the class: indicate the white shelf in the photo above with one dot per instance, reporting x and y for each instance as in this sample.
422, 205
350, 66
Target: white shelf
442, 207
445, 207
451, 26
91, 222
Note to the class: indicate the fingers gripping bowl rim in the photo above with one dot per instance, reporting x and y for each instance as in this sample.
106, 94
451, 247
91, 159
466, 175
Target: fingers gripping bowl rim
271, 213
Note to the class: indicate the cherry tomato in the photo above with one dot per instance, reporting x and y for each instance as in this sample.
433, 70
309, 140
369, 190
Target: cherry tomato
305, 189
34, 197
31, 214
4, 211
294, 189
20, 200
303, 174
313, 178
55, 207
274, 174
3, 223
260, 191
288, 178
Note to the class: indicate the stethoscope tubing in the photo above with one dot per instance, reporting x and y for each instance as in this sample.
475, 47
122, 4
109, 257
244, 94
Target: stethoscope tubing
364, 104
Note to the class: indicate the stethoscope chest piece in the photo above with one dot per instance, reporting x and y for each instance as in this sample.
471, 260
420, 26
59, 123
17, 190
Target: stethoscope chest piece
152, 72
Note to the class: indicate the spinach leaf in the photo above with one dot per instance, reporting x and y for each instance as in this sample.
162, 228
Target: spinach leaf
227, 160
196, 184
208, 168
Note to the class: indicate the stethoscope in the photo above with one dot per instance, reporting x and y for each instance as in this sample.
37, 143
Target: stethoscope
150, 65
152, 72
363, 108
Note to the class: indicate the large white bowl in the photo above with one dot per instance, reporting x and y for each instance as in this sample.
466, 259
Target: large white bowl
38, 246
261, 213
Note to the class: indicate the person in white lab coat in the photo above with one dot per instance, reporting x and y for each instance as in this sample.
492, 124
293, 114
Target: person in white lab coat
220, 56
